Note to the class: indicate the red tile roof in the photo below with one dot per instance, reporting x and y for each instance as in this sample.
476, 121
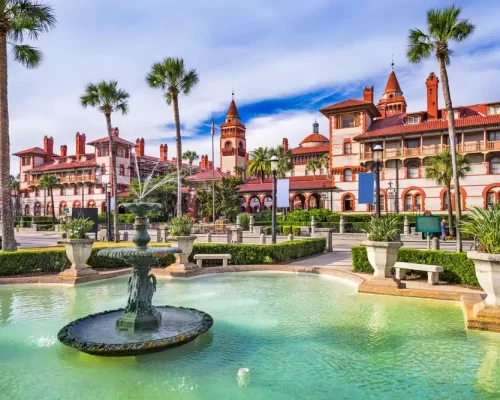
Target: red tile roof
315, 137
207, 176
323, 148
392, 84
233, 111
296, 183
33, 150
350, 103
116, 139
61, 166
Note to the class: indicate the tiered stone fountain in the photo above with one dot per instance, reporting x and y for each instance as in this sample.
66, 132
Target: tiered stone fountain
139, 327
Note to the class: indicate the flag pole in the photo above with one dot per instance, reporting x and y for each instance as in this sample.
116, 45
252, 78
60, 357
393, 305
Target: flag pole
213, 173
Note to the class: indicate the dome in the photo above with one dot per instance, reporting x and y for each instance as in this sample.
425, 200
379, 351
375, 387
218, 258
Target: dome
314, 139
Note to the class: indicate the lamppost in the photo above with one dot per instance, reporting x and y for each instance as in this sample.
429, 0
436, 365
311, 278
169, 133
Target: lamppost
274, 169
108, 214
391, 195
377, 158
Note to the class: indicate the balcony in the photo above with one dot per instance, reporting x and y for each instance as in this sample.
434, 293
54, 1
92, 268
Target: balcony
228, 151
242, 152
78, 179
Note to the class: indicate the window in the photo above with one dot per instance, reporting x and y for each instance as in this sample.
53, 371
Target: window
413, 119
26, 161
413, 143
490, 199
121, 152
92, 190
408, 202
104, 151
494, 109
347, 147
418, 202
122, 170
347, 121
495, 165
373, 206
412, 171
347, 175
348, 203
446, 139
494, 136
228, 145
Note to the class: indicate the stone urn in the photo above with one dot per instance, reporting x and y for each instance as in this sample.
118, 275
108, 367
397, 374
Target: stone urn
185, 244
488, 274
382, 256
78, 252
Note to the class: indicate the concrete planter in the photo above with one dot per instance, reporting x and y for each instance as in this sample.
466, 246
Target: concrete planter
382, 256
185, 244
488, 274
78, 252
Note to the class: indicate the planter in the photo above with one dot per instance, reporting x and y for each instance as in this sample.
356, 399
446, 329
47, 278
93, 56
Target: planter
382, 256
185, 244
78, 252
488, 274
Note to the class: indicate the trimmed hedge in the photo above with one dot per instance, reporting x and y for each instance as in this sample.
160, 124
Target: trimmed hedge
54, 261
246, 254
457, 267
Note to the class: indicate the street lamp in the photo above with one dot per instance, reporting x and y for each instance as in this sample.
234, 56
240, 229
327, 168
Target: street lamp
274, 170
391, 195
377, 158
108, 213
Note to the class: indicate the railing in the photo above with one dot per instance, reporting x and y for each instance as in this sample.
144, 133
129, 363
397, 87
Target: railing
242, 152
78, 178
228, 151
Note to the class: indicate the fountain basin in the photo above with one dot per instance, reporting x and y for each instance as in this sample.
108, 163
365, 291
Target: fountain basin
96, 334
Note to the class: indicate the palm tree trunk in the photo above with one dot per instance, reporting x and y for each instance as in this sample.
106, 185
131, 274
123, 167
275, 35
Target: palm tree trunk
112, 174
450, 209
8, 238
453, 147
53, 206
178, 143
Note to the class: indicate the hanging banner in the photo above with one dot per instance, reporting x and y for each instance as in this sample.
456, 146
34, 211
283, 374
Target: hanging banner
366, 191
282, 193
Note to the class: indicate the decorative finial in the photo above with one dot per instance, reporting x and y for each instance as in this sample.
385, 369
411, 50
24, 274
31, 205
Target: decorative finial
232, 93
392, 63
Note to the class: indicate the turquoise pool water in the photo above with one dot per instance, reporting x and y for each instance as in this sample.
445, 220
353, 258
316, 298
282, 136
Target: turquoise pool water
301, 336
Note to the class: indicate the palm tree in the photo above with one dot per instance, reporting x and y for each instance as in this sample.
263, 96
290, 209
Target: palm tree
239, 170
285, 163
19, 20
171, 76
190, 156
107, 98
444, 26
325, 163
15, 185
260, 164
49, 182
312, 165
439, 169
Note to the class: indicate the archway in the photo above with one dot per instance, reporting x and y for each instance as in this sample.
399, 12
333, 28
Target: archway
62, 207
255, 206
77, 204
298, 201
314, 200
49, 208
268, 202
27, 209
37, 209
91, 204
348, 202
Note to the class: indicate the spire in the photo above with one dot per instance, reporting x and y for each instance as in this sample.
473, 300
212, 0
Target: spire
232, 113
315, 127
392, 84
392, 63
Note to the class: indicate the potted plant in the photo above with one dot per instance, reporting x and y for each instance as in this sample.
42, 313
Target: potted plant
78, 246
484, 225
180, 236
382, 245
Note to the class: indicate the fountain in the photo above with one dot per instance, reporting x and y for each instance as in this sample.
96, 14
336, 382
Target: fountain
139, 327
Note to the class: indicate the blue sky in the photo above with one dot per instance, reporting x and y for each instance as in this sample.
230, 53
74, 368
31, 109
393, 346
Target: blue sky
284, 59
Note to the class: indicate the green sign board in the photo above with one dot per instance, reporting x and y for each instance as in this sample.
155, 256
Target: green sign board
428, 224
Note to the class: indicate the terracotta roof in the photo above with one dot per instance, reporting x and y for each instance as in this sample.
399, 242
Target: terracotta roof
233, 111
323, 148
392, 84
315, 137
207, 175
61, 166
33, 150
305, 183
351, 103
396, 125
116, 139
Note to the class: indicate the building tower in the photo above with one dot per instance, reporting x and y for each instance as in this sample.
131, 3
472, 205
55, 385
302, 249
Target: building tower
392, 101
233, 143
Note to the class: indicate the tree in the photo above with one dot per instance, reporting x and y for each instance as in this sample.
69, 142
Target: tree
313, 165
238, 170
49, 182
227, 200
439, 169
172, 78
444, 26
325, 163
190, 156
19, 20
260, 164
15, 186
107, 98
285, 163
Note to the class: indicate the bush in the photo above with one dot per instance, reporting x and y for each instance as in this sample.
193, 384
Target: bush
244, 220
287, 230
485, 224
382, 229
457, 267
181, 226
296, 231
268, 230
246, 254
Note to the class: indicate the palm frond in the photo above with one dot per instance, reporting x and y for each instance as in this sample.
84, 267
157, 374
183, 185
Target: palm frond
420, 46
189, 81
106, 96
29, 18
28, 56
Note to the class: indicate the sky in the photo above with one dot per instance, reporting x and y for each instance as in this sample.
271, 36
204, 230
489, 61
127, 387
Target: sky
284, 60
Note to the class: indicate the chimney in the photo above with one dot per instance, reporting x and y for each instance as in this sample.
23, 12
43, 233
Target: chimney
115, 132
139, 147
210, 165
48, 147
80, 145
285, 144
64, 150
163, 152
432, 96
368, 94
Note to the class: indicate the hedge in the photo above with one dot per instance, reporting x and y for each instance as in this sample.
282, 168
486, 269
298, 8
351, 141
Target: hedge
457, 267
54, 261
246, 254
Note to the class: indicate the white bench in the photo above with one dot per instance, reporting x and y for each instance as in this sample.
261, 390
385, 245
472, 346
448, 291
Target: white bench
432, 271
200, 257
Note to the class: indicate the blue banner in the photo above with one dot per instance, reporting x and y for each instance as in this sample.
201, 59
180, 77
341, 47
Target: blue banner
366, 188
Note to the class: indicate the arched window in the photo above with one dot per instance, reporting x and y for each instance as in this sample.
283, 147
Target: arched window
408, 202
268, 202
412, 171
347, 203
27, 209
38, 209
418, 202
228, 145
91, 204
495, 165
490, 199
347, 147
347, 175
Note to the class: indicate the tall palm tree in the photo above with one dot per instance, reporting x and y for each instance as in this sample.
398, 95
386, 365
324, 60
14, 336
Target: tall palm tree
15, 185
171, 76
260, 164
439, 169
239, 170
190, 156
444, 26
50, 182
19, 20
313, 165
285, 163
325, 163
108, 98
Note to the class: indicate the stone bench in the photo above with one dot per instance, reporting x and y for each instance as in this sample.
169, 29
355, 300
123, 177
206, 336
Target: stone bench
200, 257
432, 271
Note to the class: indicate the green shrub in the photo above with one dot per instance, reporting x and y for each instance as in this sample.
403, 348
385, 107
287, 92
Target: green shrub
296, 231
181, 226
244, 220
485, 225
382, 229
246, 254
267, 230
360, 261
287, 230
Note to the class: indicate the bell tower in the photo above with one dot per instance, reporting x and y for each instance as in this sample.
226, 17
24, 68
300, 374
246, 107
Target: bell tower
233, 142
392, 101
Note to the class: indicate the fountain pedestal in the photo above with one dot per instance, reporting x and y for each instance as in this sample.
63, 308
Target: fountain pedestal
182, 263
